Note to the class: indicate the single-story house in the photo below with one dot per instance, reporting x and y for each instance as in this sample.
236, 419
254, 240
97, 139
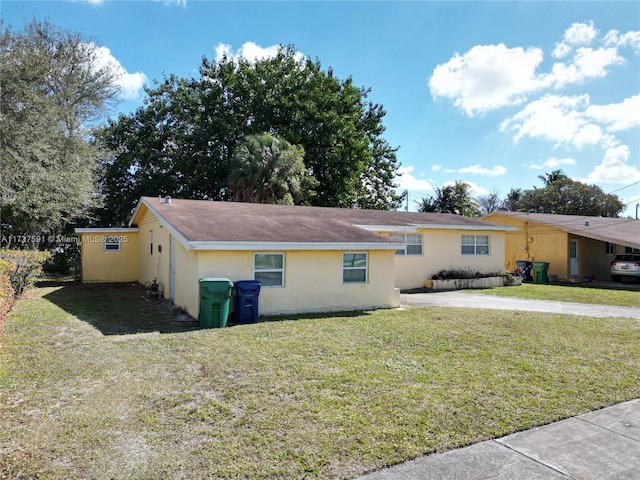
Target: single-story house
307, 258
575, 246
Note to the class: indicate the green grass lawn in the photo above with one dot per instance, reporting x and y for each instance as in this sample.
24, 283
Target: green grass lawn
99, 383
624, 296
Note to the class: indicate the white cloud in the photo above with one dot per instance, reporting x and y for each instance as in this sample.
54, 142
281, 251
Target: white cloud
576, 35
130, 83
478, 169
614, 168
587, 63
249, 51
617, 116
559, 119
474, 189
488, 77
553, 163
407, 181
629, 39
435, 167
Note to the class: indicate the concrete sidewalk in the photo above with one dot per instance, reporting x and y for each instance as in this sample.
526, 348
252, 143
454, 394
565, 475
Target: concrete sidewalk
603, 445
461, 298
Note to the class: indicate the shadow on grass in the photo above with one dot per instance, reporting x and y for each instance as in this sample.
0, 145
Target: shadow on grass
317, 315
117, 308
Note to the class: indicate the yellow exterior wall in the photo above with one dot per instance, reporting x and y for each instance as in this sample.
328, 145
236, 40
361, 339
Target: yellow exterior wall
313, 282
536, 242
99, 265
441, 249
156, 264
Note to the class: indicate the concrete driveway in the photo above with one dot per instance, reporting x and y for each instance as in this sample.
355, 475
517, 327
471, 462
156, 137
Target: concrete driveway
461, 298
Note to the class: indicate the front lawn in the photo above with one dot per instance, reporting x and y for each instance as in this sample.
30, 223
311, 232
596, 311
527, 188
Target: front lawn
623, 296
85, 395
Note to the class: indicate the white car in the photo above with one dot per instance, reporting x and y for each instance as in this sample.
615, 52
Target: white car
625, 265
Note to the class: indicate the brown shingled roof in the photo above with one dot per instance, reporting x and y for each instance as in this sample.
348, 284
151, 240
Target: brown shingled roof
202, 220
621, 231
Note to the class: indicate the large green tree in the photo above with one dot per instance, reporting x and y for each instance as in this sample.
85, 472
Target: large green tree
53, 87
182, 141
561, 195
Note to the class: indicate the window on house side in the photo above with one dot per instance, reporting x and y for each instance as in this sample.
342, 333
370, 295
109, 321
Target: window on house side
354, 268
475, 245
111, 244
413, 241
268, 268
609, 248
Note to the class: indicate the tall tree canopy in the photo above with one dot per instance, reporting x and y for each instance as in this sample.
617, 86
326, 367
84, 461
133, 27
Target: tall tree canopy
562, 195
454, 198
53, 87
183, 140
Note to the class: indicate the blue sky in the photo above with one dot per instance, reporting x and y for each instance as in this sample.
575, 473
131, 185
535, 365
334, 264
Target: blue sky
491, 93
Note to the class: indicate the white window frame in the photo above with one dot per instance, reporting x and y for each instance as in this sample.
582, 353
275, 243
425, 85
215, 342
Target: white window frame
353, 268
410, 240
476, 245
111, 241
269, 270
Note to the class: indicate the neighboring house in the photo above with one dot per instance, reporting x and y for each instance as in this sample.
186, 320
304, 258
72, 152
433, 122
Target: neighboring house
574, 245
307, 258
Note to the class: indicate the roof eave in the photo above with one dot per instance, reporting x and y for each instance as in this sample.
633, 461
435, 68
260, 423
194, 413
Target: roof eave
271, 246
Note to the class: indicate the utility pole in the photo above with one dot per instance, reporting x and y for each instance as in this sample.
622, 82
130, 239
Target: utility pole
637, 205
406, 208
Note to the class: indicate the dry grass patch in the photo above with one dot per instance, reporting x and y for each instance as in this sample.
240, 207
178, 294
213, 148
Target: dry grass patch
325, 397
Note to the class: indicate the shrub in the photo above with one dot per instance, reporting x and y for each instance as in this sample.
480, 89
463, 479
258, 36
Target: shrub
469, 273
63, 260
457, 273
6, 292
24, 267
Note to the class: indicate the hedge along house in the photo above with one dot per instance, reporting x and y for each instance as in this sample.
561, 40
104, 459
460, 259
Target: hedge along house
575, 246
307, 258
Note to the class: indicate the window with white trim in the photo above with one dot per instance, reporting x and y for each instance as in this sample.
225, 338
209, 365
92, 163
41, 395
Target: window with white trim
475, 245
111, 244
413, 241
609, 248
268, 268
354, 267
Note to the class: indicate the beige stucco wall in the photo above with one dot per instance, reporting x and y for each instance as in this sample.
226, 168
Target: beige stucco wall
441, 249
99, 265
313, 282
153, 265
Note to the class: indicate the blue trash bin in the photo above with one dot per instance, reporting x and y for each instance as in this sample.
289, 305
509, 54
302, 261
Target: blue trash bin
246, 301
525, 267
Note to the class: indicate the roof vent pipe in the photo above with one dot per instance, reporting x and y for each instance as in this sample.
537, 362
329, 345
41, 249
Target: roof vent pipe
167, 199
159, 198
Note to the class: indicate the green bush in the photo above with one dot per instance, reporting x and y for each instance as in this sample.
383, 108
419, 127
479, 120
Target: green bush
467, 273
63, 260
24, 267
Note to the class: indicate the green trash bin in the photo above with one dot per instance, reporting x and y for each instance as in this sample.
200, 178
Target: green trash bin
215, 297
540, 270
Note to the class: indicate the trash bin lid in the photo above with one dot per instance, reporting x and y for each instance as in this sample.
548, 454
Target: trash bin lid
248, 286
216, 285
540, 264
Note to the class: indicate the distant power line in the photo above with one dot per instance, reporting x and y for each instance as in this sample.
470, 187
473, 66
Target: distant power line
626, 186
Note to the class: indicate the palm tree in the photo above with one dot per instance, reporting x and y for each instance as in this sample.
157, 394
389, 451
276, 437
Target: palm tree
554, 176
266, 169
